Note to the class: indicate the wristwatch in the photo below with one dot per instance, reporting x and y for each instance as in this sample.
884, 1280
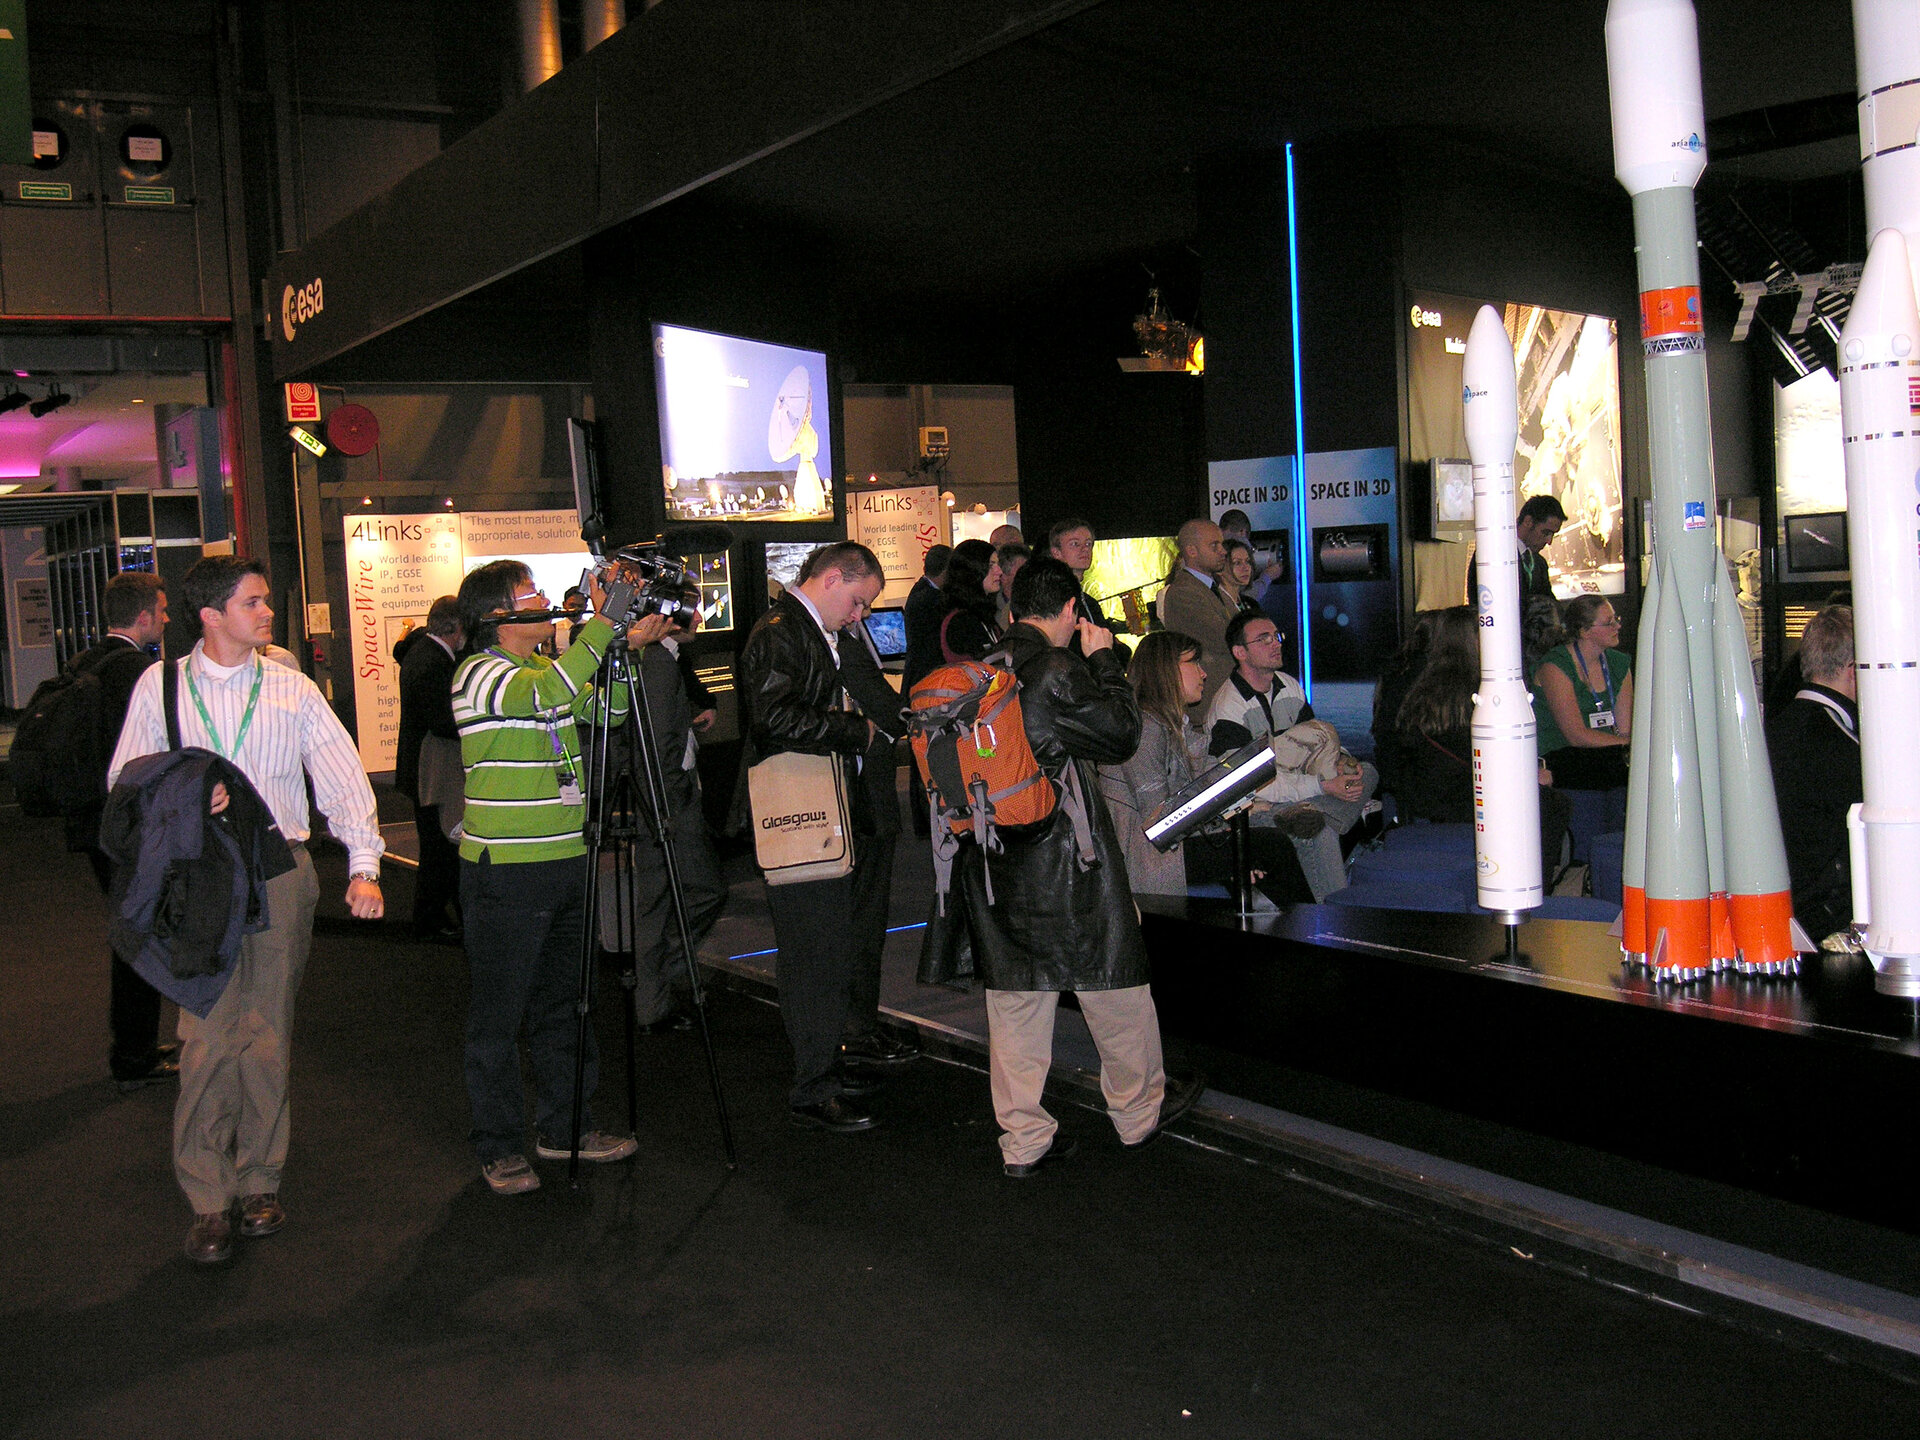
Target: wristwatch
372, 877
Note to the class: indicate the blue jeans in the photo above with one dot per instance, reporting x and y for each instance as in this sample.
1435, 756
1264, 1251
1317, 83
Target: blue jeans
524, 928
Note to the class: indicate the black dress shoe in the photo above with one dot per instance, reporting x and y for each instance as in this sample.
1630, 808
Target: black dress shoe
210, 1241
838, 1113
879, 1049
1180, 1097
158, 1073
1060, 1150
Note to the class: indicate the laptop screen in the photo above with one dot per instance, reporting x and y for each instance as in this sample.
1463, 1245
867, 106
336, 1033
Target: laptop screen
889, 631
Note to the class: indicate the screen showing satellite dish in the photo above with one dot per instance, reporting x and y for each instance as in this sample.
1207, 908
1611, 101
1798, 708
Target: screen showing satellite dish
744, 428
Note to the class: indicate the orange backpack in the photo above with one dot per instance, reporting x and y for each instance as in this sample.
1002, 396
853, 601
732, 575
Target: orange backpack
970, 739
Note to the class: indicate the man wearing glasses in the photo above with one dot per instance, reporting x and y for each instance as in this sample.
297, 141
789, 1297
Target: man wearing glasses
523, 865
1260, 699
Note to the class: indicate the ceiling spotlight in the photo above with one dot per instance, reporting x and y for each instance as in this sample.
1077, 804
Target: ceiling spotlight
53, 401
12, 401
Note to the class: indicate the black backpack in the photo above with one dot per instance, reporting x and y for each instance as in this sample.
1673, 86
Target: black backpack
59, 758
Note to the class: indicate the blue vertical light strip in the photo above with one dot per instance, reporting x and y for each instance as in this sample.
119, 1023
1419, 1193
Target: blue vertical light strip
1302, 540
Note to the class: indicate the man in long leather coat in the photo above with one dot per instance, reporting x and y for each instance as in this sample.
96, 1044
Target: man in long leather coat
1058, 920
789, 677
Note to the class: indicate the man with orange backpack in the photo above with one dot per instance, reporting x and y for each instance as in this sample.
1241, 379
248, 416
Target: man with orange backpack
1059, 914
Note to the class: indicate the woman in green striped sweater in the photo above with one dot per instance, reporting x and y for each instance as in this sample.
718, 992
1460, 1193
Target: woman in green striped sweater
523, 867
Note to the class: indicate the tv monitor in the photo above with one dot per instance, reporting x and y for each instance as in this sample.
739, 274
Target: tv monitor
745, 428
1452, 508
1817, 543
888, 631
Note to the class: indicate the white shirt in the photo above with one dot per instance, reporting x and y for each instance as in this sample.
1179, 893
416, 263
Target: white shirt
294, 733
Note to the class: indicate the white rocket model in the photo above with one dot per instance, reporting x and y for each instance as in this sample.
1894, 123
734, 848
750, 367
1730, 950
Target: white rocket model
1506, 757
1880, 424
1879, 413
1705, 874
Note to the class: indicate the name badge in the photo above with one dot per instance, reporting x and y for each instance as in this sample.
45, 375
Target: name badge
570, 793
1600, 720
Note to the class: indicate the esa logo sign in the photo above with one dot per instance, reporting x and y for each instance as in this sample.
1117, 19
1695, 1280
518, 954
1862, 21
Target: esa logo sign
299, 306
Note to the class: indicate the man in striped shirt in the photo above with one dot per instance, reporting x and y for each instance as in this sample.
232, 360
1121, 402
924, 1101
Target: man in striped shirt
230, 1123
523, 866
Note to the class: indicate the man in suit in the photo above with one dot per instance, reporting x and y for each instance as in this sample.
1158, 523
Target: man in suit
922, 613
426, 716
1193, 605
136, 615
795, 699
864, 1045
1539, 521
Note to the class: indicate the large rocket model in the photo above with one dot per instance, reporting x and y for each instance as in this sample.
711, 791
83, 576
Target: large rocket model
1506, 785
1880, 428
1880, 425
1705, 867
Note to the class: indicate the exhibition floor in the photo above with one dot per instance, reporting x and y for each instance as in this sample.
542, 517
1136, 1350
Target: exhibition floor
886, 1284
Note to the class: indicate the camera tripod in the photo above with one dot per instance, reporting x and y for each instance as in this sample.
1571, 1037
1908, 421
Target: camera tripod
618, 799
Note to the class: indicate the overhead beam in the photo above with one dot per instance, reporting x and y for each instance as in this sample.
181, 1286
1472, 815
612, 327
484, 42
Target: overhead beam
682, 96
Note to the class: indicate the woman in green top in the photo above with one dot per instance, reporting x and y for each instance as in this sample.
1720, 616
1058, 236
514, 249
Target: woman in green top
1583, 700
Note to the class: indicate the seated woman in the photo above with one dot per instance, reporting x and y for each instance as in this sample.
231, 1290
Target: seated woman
1435, 724
971, 627
1583, 700
1167, 677
1391, 689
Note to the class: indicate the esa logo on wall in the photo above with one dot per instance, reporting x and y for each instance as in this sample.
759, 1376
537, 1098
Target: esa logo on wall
299, 306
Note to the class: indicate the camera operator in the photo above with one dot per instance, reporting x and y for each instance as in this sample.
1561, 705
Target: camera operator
523, 864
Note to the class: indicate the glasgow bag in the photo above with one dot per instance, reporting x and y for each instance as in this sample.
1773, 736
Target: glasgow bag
801, 825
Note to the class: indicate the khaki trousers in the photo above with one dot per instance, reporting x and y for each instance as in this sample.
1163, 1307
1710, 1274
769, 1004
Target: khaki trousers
231, 1120
1126, 1030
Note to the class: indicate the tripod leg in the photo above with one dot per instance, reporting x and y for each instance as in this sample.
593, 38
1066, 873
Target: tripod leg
593, 762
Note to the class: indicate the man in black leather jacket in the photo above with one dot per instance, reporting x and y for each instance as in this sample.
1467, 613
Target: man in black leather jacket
790, 684
1062, 920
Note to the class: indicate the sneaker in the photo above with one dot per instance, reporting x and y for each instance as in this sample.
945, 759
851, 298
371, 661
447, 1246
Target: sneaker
510, 1175
595, 1145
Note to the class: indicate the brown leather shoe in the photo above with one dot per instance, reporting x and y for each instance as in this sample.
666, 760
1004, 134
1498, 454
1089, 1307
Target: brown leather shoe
261, 1215
210, 1241
1302, 821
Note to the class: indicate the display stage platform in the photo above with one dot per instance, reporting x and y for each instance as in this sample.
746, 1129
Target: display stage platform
1807, 1089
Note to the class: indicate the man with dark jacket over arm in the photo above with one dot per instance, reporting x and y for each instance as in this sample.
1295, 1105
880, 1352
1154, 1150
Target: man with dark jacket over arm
790, 684
1058, 920
136, 615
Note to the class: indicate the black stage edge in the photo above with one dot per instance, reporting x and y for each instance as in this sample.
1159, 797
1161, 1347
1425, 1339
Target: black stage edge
1414, 1028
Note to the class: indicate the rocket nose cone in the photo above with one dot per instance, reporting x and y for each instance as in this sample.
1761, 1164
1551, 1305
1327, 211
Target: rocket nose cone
1489, 392
1884, 321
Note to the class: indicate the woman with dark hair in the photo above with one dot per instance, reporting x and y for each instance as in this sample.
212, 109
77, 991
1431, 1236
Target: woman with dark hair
971, 628
1398, 677
1236, 581
1583, 699
1167, 678
1436, 724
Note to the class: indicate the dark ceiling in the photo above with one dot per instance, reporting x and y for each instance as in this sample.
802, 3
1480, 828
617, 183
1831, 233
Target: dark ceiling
1077, 145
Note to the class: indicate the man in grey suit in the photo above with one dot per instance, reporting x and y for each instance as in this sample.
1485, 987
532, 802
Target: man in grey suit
1193, 605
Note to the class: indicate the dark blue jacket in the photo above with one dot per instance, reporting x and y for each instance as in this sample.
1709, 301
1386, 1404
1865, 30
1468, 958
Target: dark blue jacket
187, 885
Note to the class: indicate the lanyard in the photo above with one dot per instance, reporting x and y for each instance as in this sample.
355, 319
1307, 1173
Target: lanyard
246, 719
1605, 674
1527, 560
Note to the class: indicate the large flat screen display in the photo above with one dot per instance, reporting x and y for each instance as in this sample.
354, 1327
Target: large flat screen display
744, 428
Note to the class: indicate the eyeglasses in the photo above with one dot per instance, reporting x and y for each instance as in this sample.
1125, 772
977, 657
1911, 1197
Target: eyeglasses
520, 601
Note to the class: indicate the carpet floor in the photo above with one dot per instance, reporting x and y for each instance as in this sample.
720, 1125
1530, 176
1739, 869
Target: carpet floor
882, 1285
